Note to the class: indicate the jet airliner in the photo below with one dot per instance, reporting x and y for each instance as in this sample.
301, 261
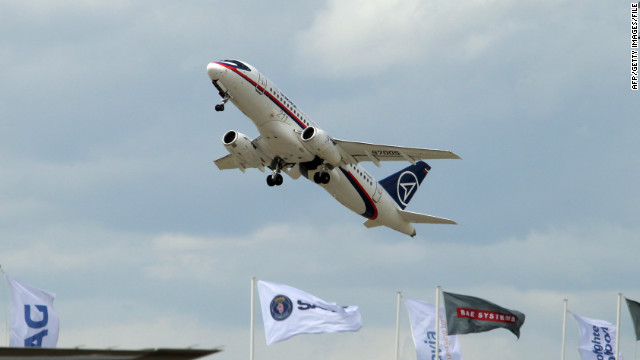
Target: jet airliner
290, 142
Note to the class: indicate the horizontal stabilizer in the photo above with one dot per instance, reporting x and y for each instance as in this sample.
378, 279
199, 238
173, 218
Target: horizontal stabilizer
413, 217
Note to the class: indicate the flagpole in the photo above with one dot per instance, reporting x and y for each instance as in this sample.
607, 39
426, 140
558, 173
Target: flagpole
251, 332
5, 311
564, 326
399, 296
437, 356
618, 327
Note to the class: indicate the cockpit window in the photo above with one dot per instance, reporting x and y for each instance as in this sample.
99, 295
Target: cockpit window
237, 64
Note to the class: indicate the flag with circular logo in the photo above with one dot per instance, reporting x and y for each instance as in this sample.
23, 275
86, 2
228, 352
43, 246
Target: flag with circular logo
287, 311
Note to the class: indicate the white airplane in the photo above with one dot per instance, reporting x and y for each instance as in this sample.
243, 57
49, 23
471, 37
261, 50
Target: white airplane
289, 141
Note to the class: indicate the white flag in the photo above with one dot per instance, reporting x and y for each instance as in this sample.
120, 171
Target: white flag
423, 327
287, 311
34, 323
597, 339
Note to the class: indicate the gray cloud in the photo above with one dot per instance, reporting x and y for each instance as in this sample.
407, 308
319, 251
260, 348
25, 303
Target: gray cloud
108, 194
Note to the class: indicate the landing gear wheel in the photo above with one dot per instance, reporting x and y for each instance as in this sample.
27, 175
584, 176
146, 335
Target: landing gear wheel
225, 97
275, 179
278, 179
325, 177
321, 178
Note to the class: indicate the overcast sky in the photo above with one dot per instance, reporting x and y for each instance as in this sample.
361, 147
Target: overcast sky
109, 196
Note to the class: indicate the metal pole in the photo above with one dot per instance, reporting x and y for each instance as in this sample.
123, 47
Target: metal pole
6, 313
618, 327
398, 325
564, 326
251, 335
437, 356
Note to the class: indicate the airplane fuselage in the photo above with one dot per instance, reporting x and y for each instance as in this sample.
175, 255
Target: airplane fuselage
280, 124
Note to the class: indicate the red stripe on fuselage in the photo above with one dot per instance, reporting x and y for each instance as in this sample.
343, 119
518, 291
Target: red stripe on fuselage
364, 192
273, 98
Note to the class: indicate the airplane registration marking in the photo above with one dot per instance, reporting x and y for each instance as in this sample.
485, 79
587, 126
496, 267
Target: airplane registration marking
386, 153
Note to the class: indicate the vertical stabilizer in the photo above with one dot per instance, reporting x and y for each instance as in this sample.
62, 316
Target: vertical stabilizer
404, 184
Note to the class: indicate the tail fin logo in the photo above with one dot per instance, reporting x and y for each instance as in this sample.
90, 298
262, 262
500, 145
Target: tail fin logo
404, 184
407, 184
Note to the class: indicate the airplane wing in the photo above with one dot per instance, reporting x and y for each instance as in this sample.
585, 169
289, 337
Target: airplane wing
259, 161
232, 162
354, 152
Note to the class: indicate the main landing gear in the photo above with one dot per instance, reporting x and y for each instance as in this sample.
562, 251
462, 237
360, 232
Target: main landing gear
321, 177
322, 173
275, 178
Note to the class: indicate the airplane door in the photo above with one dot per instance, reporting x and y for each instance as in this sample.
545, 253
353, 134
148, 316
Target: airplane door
377, 193
262, 84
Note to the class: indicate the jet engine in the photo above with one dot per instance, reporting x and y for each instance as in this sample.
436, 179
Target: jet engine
240, 146
319, 143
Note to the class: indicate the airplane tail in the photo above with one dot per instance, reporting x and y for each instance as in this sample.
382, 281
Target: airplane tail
404, 184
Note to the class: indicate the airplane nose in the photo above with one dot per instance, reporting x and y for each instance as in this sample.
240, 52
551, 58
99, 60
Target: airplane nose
215, 71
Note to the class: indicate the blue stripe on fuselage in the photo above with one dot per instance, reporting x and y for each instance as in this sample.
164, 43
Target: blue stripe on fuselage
371, 211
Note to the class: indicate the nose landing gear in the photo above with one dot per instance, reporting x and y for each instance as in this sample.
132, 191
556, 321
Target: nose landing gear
223, 93
225, 98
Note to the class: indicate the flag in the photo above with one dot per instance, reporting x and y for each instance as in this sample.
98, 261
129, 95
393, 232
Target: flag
422, 316
287, 311
634, 310
597, 339
34, 323
468, 314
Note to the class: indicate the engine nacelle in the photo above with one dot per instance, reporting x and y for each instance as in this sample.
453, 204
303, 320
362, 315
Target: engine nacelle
319, 143
239, 145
